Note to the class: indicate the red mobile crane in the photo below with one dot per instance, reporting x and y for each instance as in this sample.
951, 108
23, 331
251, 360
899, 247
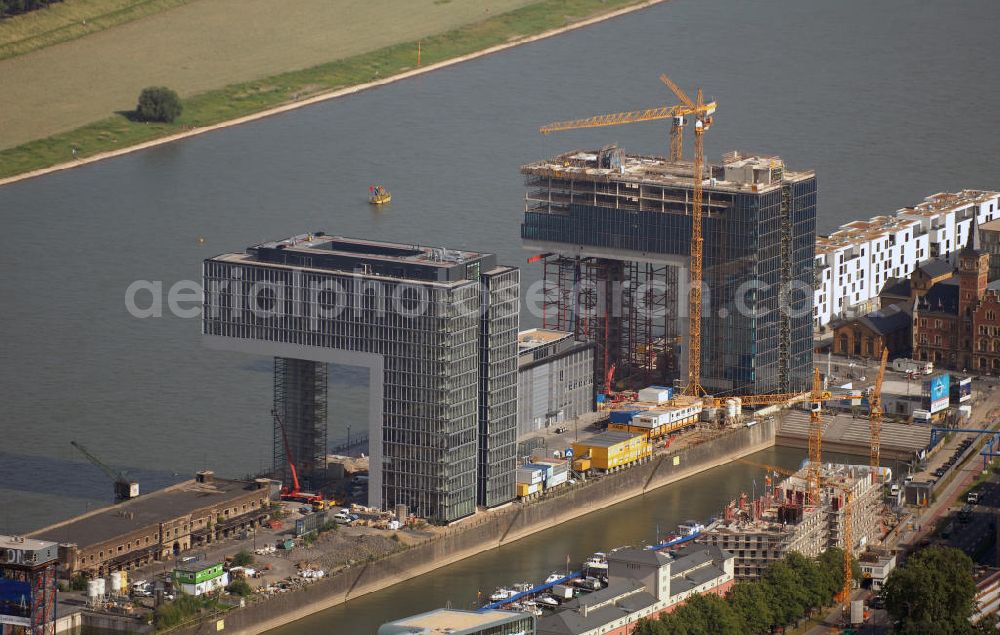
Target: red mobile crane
615, 397
294, 493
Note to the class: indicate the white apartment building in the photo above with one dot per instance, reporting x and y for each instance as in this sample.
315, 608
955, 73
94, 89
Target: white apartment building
853, 263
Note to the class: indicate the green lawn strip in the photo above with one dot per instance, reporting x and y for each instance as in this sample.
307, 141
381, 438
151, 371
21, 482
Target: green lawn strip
76, 29
246, 98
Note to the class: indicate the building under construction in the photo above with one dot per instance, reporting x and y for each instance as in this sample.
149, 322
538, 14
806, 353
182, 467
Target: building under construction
764, 530
614, 233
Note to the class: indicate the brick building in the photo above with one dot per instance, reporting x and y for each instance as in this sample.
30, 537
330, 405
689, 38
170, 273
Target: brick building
955, 316
865, 336
158, 526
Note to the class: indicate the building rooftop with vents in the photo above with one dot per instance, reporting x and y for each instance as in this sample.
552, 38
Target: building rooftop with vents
318, 251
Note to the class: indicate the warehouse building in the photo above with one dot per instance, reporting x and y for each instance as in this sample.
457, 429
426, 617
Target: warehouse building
158, 526
642, 583
555, 379
458, 622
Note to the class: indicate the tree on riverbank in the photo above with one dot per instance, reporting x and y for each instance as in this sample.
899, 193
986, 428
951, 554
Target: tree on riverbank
158, 103
790, 590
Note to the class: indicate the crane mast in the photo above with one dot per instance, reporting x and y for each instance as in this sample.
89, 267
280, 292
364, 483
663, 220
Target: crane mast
845, 592
875, 416
694, 387
815, 437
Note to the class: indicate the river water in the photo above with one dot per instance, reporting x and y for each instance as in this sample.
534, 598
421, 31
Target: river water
634, 522
887, 101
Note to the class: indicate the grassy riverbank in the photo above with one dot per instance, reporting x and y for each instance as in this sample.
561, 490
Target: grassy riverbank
238, 100
65, 21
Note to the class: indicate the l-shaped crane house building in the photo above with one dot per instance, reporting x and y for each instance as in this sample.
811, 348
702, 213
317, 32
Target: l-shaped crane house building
614, 233
436, 330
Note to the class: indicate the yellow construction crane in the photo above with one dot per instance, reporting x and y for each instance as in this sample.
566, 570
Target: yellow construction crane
845, 592
875, 415
702, 113
677, 114
815, 436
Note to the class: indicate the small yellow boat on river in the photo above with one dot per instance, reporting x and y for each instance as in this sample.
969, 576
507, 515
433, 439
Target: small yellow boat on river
378, 195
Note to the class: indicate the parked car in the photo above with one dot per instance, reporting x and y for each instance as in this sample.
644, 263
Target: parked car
342, 519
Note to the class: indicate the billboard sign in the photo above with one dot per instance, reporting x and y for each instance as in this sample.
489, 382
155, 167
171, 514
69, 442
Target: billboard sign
15, 601
961, 391
939, 392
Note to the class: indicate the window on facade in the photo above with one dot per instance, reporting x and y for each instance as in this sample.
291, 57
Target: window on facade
990, 315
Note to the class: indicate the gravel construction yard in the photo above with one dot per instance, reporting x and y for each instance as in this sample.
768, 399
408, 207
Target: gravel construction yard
206, 44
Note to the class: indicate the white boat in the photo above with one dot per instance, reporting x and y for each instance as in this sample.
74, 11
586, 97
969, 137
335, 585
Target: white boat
690, 527
521, 587
554, 577
502, 594
547, 600
597, 561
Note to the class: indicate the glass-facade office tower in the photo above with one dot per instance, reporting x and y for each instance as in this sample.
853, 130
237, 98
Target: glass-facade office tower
616, 233
437, 331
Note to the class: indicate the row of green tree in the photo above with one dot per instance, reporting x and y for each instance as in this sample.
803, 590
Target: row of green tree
14, 7
790, 590
933, 592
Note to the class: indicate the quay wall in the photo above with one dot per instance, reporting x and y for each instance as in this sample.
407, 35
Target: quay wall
490, 530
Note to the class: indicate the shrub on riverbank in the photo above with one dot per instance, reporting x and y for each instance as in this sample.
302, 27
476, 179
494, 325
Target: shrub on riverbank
158, 103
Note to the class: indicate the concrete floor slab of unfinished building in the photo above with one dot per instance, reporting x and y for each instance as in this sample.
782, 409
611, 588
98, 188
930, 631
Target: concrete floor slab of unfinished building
844, 433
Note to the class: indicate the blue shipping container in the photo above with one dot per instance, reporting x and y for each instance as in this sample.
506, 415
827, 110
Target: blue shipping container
623, 416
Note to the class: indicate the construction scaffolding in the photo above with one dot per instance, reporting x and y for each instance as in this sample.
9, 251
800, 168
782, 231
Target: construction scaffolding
627, 308
763, 530
597, 218
300, 404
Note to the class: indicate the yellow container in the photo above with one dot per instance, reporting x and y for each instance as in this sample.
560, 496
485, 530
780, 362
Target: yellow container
614, 448
525, 489
581, 465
